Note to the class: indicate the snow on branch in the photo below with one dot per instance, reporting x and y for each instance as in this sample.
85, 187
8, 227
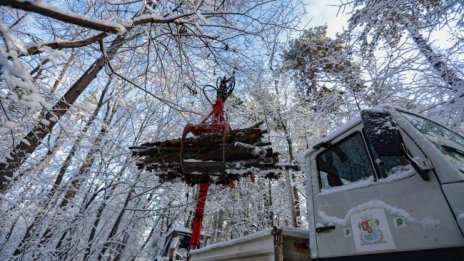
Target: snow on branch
64, 16
67, 44
154, 19
179, 19
18, 87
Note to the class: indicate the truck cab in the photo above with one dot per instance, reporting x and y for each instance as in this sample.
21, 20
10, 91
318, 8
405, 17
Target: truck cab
389, 184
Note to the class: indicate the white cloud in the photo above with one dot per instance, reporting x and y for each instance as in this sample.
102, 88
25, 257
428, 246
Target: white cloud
326, 12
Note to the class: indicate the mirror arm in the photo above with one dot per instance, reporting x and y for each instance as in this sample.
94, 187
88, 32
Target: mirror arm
324, 144
417, 167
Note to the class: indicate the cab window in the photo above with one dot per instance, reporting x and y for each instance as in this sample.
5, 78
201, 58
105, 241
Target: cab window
344, 163
390, 165
450, 144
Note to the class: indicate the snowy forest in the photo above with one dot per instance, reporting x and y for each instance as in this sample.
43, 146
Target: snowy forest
82, 81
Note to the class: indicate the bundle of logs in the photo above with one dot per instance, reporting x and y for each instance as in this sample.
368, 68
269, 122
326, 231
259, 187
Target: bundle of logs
204, 162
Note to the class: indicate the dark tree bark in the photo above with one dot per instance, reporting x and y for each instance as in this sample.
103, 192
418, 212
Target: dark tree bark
150, 235
269, 209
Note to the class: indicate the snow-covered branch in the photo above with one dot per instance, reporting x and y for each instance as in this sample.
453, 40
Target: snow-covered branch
67, 44
64, 16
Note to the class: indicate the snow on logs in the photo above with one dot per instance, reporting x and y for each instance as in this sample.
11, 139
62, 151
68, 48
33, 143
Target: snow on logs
245, 154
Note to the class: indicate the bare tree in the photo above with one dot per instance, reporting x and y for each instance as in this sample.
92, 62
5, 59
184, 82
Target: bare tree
387, 21
173, 34
157, 53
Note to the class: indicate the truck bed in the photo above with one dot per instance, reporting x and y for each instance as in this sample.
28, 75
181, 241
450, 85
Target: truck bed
278, 243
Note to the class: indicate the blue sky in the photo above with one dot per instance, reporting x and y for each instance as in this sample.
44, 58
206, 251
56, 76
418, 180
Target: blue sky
324, 12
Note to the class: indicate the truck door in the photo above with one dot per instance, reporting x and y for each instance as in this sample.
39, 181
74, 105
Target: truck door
449, 161
361, 207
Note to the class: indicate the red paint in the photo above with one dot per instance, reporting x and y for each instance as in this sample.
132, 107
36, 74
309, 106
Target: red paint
214, 122
366, 227
198, 218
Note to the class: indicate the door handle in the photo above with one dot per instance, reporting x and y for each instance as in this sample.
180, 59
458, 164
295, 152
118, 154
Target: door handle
324, 229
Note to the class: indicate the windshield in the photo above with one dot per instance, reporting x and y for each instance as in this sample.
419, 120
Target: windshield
449, 143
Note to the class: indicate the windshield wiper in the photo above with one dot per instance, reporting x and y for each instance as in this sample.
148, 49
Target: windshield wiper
453, 149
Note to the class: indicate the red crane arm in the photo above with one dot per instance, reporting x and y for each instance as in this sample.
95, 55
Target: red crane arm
215, 121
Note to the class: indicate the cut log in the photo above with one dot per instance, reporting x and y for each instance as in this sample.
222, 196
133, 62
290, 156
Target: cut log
232, 154
245, 154
248, 136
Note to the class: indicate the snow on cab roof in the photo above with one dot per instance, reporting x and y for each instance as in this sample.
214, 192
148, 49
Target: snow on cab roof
344, 127
332, 135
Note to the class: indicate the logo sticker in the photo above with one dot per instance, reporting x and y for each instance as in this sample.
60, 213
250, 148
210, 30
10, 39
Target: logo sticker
371, 231
399, 222
347, 232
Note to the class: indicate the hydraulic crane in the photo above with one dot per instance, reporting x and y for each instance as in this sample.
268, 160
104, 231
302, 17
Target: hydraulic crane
215, 122
202, 159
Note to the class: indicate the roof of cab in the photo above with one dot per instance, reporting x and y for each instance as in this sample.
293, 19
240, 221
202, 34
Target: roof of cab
326, 139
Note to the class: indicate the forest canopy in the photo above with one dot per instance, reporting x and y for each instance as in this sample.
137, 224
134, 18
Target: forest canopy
82, 81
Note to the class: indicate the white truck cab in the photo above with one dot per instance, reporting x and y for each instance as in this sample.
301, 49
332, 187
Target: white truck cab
387, 185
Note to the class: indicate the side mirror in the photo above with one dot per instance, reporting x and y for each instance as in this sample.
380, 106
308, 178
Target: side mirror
382, 134
385, 138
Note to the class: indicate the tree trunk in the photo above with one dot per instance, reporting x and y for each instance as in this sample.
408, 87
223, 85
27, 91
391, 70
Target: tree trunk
31, 229
448, 75
62, 73
152, 231
97, 219
288, 185
76, 182
116, 225
63, 245
39, 69
37, 219
33, 138
131, 225
145, 243
60, 176
74, 148
10, 231
120, 248
269, 209
292, 191
106, 245
294, 198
